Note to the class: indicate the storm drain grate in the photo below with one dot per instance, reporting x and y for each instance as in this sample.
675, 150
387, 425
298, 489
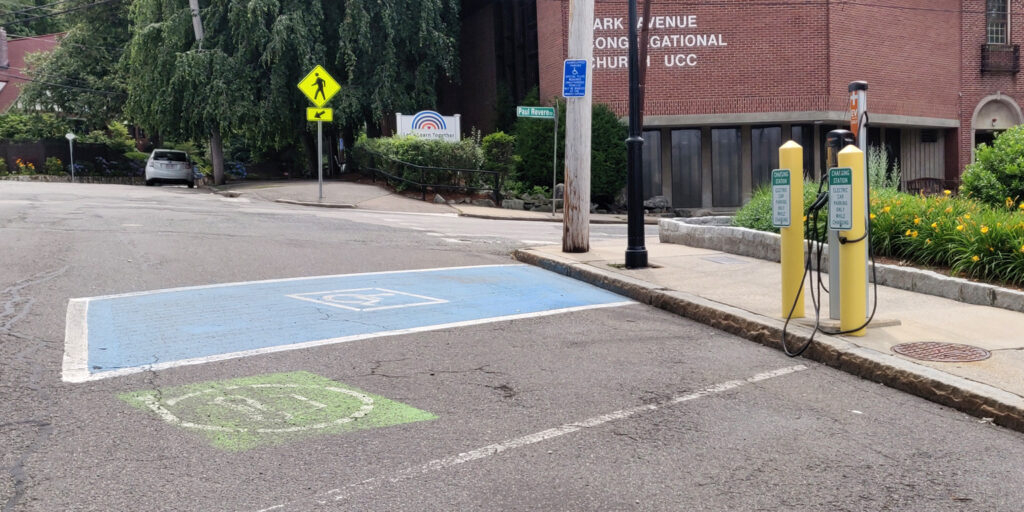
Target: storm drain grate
942, 352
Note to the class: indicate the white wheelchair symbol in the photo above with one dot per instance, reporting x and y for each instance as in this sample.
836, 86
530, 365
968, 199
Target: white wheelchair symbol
367, 299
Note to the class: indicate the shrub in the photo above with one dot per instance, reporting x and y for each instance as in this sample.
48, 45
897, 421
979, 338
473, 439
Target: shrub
534, 146
427, 161
21, 127
115, 137
971, 238
757, 214
878, 169
3, 167
54, 166
998, 170
25, 167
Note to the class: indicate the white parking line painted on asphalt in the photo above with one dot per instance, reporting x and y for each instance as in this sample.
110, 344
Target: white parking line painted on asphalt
519, 442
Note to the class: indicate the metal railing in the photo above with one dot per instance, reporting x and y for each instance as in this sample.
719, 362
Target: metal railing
457, 179
1000, 58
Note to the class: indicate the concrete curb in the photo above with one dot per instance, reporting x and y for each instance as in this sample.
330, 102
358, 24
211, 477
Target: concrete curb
711, 233
977, 399
647, 220
313, 203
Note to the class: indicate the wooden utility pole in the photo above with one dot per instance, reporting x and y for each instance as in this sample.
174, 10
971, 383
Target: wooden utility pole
216, 144
576, 220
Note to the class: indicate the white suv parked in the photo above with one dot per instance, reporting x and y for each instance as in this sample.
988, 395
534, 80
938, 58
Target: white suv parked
169, 166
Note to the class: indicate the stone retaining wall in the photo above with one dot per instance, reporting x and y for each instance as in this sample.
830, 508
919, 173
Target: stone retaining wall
78, 179
716, 233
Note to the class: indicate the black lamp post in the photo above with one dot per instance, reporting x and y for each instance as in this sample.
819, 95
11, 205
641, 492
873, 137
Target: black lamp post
636, 252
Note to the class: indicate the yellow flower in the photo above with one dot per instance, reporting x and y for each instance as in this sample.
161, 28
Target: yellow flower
967, 216
886, 209
1009, 202
917, 220
872, 216
805, 218
947, 192
928, 241
990, 249
908, 233
960, 227
975, 258
935, 225
1022, 248
984, 229
913, 234
1021, 206
949, 209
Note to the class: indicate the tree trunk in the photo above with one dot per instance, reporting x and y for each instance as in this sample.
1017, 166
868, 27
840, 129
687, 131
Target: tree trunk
217, 157
576, 219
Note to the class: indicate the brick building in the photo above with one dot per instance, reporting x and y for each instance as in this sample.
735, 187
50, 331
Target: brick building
730, 80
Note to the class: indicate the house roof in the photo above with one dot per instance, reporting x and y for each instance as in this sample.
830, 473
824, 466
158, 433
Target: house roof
13, 76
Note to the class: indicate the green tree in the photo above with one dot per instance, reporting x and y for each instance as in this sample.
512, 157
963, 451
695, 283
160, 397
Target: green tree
80, 76
33, 17
998, 170
393, 55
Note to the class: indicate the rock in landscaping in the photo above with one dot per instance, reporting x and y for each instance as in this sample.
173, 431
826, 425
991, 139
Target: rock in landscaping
657, 202
560, 191
513, 204
484, 202
438, 199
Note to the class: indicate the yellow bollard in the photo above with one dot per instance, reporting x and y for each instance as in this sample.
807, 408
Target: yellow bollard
791, 157
852, 258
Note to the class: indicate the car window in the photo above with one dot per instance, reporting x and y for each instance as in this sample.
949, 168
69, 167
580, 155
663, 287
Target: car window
172, 156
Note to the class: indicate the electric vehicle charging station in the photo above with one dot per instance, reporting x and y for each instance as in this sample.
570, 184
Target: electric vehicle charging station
848, 227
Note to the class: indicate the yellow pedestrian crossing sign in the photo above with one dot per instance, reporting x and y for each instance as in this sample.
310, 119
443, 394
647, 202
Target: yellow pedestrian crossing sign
318, 86
319, 114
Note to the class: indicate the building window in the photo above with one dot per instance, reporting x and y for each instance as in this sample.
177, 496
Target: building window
726, 168
803, 134
997, 21
687, 186
764, 153
652, 164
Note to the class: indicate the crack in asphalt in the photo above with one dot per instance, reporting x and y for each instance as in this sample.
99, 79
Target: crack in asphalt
13, 308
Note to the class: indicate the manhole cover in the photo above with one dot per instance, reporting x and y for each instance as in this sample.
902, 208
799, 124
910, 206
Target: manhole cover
942, 352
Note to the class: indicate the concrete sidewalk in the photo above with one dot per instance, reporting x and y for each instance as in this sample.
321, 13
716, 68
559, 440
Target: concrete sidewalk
348, 194
742, 295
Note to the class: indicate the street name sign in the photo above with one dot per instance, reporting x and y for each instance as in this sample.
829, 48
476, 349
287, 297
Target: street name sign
840, 198
319, 86
574, 78
536, 112
320, 114
781, 204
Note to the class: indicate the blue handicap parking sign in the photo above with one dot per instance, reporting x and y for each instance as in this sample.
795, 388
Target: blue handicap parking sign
574, 84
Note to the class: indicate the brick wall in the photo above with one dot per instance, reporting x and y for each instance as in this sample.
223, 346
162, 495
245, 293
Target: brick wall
976, 85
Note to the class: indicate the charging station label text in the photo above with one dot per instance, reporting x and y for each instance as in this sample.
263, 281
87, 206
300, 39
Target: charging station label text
840, 198
781, 204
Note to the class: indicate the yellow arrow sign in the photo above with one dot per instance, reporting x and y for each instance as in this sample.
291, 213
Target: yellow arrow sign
318, 86
320, 114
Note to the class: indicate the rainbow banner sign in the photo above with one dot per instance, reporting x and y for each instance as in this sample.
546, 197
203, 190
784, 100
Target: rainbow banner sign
430, 125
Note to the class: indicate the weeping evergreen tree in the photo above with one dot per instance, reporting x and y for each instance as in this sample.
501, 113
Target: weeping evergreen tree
394, 55
387, 55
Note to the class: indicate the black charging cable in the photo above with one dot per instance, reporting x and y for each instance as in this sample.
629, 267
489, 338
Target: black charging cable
815, 250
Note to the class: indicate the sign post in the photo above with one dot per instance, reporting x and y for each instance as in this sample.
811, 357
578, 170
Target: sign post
71, 149
546, 113
787, 213
319, 87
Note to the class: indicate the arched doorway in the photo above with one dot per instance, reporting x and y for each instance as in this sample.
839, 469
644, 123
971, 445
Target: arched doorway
993, 115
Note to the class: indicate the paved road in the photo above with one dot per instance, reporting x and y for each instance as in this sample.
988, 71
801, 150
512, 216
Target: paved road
614, 408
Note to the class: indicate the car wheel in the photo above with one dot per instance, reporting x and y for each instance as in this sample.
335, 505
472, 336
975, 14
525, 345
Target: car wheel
149, 183
191, 184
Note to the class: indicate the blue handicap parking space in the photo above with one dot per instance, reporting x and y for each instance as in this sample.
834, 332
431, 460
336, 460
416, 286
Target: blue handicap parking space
116, 335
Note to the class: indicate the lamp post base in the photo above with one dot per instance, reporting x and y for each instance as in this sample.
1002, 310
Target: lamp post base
636, 257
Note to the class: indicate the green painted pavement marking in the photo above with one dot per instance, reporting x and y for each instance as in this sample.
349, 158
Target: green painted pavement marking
240, 414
